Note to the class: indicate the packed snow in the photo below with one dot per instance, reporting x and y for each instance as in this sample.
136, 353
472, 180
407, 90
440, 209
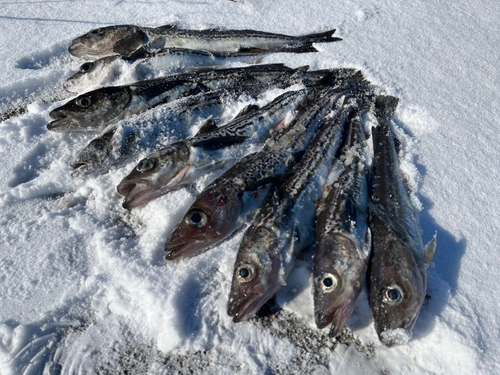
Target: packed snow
83, 285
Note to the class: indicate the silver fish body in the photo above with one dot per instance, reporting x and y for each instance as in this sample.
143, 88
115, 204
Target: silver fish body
95, 110
181, 163
220, 209
285, 225
146, 66
398, 279
126, 39
342, 240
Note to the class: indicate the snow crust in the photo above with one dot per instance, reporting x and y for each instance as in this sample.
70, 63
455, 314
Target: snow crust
83, 286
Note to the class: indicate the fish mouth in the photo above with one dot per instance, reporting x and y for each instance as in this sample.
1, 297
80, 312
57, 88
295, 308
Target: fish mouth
246, 310
137, 192
62, 122
182, 250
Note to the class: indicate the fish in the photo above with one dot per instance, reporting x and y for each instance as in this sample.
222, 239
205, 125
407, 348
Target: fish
229, 201
139, 137
342, 237
181, 163
126, 39
398, 262
95, 110
285, 225
144, 65
120, 144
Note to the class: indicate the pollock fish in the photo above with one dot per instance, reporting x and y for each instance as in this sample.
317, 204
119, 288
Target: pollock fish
398, 279
126, 39
224, 205
95, 110
342, 237
285, 224
145, 66
120, 144
180, 163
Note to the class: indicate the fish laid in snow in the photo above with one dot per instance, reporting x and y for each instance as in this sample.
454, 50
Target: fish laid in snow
95, 110
230, 200
145, 65
285, 225
342, 237
181, 163
126, 39
398, 279
121, 144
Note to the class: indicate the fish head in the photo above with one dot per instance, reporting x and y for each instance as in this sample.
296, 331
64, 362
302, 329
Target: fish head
95, 155
397, 292
91, 73
256, 273
99, 42
92, 111
338, 274
155, 175
211, 218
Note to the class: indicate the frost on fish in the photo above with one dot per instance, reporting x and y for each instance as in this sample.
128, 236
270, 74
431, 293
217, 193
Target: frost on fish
399, 261
179, 164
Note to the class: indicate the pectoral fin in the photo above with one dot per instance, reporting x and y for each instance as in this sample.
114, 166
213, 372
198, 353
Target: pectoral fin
429, 250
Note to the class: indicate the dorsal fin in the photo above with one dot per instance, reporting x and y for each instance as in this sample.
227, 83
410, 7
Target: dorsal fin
246, 110
170, 26
208, 126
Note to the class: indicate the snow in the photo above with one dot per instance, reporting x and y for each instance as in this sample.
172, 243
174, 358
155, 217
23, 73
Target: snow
83, 285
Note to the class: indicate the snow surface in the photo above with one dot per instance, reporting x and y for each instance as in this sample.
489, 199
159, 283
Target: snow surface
82, 282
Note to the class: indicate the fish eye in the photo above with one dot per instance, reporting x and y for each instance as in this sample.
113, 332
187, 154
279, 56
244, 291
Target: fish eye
329, 282
245, 273
84, 102
87, 67
196, 218
145, 165
392, 295
98, 145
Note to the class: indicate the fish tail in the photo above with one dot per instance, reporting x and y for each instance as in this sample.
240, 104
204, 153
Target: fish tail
324, 37
385, 105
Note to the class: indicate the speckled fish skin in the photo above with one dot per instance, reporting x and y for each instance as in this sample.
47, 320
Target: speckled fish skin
221, 208
397, 269
126, 39
341, 249
97, 109
143, 66
121, 144
181, 163
285, 224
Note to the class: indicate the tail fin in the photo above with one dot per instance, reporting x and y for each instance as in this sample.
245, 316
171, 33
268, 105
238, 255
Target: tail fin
385, 105
324, 37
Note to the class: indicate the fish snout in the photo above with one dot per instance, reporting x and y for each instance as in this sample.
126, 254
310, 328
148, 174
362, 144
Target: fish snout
62, 122
393, 337
137, 192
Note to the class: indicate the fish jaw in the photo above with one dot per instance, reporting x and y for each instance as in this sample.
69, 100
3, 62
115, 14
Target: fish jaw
338, 260
211, 218
259, 258
397, 286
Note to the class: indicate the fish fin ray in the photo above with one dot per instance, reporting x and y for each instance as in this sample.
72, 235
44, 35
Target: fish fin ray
219, 142
207, 127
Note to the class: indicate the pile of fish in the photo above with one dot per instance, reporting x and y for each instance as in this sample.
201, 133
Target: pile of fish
294, 171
